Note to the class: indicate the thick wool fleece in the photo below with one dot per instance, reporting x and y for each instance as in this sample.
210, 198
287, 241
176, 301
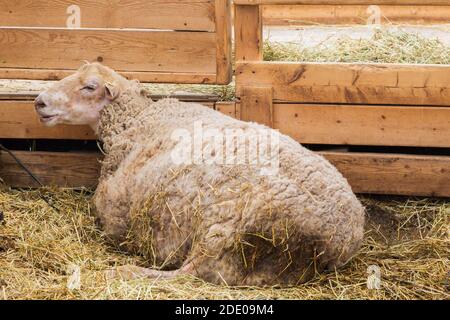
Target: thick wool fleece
221, 223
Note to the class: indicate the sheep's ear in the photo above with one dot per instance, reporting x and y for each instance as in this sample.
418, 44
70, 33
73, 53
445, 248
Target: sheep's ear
84, 65
112, 91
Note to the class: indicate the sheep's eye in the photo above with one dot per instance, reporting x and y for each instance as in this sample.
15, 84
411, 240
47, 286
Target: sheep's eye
89, 88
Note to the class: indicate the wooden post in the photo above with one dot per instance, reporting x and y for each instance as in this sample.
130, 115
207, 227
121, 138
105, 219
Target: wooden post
248, 33
256, 102
257, 105
223, 43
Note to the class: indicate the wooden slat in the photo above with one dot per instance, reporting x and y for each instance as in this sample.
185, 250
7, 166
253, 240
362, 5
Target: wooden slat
32, 94
151, 51
136, 14
414, 126
18, 120
153, 77
344, 2
52, 168
18, 95
226, 107
397, 84
257, 105
223, 43
394, 174
365, 125
293, 15
248, 33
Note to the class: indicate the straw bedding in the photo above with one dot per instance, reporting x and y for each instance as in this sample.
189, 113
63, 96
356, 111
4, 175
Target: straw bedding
406, 238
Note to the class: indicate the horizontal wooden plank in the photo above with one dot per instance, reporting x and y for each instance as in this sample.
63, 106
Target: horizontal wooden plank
19, 95
31, 95
136, 14
130, 51
293, 15
395, 174
412, 126
51, 168
18, 120
397, 84
145, 77
316, 124
343, 2
365, 125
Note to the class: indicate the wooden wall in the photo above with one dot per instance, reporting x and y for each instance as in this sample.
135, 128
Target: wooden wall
149, 41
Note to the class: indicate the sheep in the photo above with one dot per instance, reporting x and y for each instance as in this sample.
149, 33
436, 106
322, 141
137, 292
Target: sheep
244, 223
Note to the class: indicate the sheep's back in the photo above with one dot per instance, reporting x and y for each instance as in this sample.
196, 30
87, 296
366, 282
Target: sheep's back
228, 200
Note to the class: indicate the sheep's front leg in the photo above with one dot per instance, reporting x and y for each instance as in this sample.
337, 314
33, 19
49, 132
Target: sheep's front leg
130, 272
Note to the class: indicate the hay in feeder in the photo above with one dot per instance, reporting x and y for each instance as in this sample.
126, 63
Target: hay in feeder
41, 251
383, 47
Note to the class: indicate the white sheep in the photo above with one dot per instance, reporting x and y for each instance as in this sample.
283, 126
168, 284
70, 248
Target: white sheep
196, 206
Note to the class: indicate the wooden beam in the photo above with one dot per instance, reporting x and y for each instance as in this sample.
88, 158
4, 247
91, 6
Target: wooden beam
355, 83
395, 174
343, 2
156, 14
297, 15
248, 33
365, 125
145, 77
223, 42
377, 173
257, 105
18, 120
420, 126
130, 51
28, 95
358, 125
52, 168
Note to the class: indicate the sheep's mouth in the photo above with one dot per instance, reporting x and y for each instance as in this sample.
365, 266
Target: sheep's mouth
47, 118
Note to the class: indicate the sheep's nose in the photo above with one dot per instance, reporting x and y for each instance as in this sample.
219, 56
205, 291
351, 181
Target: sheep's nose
39, 103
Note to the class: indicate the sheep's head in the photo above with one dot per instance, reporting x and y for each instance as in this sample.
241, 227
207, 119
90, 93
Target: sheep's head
79, 98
